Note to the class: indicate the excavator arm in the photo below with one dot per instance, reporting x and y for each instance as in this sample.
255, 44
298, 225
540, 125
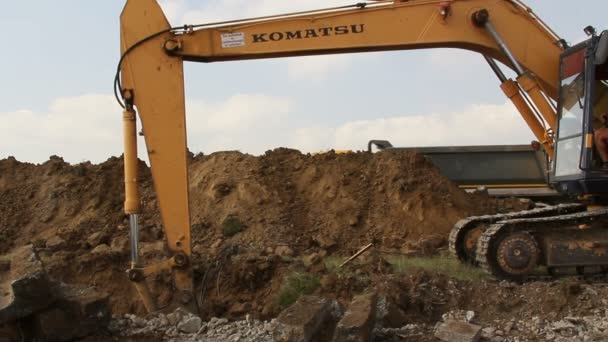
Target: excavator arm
151, 79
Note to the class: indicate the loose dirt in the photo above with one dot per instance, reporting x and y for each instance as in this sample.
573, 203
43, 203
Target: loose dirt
254, 219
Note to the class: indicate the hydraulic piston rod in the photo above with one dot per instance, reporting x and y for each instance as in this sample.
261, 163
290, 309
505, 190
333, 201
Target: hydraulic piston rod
132, 206
526, 80
512, 91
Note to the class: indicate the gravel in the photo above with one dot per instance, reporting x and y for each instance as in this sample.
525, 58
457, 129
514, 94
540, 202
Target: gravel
593, 328
182, 326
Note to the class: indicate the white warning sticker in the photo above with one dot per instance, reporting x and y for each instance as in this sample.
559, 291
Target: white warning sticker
230, 40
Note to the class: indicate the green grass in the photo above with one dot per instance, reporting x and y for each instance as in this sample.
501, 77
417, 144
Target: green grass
295, 285
332, 263
231, 226
440, 264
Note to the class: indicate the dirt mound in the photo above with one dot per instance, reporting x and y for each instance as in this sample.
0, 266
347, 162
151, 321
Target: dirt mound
251, 216
340, 202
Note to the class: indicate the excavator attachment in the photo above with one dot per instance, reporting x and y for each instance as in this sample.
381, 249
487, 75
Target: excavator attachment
152, 85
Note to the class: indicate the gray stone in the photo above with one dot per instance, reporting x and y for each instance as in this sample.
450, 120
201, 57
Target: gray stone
458, 331
509, 327
163, 321
217, 322
357, 323
24, 285
172, 318
303, 320
389, 315
190, 325
77, 313
489, 331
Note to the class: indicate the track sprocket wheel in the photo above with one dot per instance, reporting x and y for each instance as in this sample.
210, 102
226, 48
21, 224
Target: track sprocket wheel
517, 255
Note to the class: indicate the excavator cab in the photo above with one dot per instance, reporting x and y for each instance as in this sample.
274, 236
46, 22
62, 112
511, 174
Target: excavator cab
582, 109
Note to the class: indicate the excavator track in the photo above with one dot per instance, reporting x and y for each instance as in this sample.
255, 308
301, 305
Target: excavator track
465, 233
497, 245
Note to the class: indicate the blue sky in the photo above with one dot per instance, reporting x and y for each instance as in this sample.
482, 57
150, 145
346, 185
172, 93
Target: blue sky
59, 60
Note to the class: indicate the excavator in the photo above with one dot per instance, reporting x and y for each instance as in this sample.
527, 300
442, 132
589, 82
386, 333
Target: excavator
561, 92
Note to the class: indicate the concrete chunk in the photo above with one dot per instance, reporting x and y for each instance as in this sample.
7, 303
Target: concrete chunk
190, 325
358, 321
303, 320
458, 331
24, 285
78, 313
389, 315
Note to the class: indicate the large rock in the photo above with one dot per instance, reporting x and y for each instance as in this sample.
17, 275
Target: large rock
458, 331
389, 315
358, 321
302, 321
77, 313
190, 325
24, 285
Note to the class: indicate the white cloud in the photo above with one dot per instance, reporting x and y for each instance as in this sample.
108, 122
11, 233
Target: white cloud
251, 123
89, 127
173, 10
76, 128
313, 139
317, 67
476, 125
453, 58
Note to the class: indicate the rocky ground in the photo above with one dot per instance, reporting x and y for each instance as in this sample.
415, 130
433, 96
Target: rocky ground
269, 229
586, 320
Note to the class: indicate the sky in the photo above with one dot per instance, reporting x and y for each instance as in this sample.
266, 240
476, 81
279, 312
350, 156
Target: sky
59, 59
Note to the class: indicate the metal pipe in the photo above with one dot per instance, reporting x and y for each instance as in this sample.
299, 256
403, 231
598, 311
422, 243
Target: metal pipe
134, 239
503, 79
512, 91
130, 161
530, 86
503, 47
501, 76
132, 203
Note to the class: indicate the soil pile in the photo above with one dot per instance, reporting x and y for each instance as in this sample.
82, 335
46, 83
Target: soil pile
252, 216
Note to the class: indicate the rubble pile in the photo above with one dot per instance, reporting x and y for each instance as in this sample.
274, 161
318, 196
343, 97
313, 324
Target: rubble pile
182, 326
35, 307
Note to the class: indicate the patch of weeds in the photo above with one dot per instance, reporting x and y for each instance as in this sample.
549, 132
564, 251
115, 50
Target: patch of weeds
232, 226
295, 285
442, 264
332, 263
